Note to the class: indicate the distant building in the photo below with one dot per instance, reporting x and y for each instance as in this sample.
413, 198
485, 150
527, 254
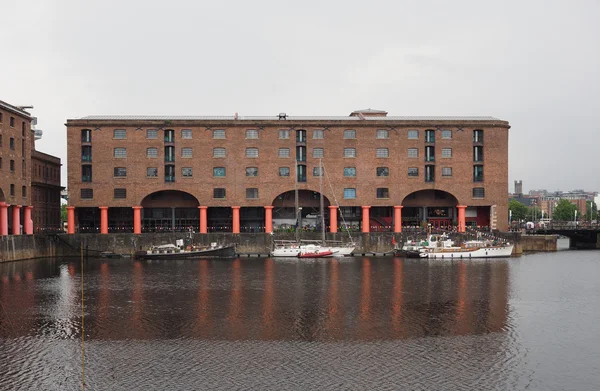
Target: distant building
45, 186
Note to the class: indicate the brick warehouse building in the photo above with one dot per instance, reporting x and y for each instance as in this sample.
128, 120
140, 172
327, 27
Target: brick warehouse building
29, 180
240, 174
16, 143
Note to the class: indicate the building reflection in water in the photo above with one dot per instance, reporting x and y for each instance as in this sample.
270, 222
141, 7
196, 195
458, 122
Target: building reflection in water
321, 300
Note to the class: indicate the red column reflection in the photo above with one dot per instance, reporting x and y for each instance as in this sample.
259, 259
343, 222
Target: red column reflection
332, 323
202, 327
235, 303
463, 322
269, 329
397, 298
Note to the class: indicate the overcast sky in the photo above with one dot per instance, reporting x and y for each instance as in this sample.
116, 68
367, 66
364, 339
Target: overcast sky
535, 63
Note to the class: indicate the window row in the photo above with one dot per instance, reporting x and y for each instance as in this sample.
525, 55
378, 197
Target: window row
219, 172
23, 191
252, 134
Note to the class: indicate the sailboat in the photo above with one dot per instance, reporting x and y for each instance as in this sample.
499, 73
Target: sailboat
311, 249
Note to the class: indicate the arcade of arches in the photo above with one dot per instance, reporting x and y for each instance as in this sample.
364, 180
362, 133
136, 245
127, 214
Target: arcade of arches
172, 210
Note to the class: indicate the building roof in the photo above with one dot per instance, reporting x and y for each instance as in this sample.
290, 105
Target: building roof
14, 109
276, 118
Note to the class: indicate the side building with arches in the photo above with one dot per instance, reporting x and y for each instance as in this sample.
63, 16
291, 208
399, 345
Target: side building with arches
260, 174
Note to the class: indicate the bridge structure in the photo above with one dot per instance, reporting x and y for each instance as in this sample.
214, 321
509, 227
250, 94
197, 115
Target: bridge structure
581, 235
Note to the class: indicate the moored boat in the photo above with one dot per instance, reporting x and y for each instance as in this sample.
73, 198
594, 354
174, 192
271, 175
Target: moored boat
172, 251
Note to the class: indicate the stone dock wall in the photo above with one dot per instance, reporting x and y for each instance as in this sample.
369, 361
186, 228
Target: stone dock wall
13, 248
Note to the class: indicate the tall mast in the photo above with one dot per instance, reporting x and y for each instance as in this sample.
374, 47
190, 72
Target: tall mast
321, 202
296, 206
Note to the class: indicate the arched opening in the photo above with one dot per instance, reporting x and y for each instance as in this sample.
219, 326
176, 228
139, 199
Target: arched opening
424, 207
308, 215
170, 210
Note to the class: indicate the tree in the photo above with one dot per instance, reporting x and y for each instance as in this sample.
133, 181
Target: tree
519, 211
591, 211
63, 213
565, 211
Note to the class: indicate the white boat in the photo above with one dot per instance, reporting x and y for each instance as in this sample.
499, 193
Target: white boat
440, 246
295, 248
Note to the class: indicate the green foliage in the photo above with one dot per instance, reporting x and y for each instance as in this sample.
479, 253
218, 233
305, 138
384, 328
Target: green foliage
591, 211
519, 211
534, 214
565, 211
63, 213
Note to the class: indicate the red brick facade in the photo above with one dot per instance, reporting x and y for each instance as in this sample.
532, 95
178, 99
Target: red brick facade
370, 135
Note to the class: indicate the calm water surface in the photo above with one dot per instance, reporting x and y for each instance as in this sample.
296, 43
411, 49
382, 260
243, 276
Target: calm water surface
269, 324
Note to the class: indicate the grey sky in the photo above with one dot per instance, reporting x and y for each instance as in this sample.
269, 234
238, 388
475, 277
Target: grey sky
535, 63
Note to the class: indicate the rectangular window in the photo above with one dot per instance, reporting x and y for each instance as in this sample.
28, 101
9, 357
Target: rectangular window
252, 133
318, 134
219, 192
284, 152
12, 166
12, 189
447, 171
120, 193
430, 136
413, 171
120, 152
252, 152
383, 171
478, 136
446, 152
350, 133
252, 193
119, 134
87, 194
446, 134
219, 133
24, 191
186, 172
413, 152
383, 192
349, 152
429, 173
11, 143
318, 153
478, 154
478, 192
284, 133
152, 152
219, 171
251, 171
186, 152
317, 171
218, 152
382, 133
413, 134
151, 134
86, 136
86, 173
350, 171
382, 153
12, 123
152, 172
478, 173
349, 193
186, 134
120, 172
284, 171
